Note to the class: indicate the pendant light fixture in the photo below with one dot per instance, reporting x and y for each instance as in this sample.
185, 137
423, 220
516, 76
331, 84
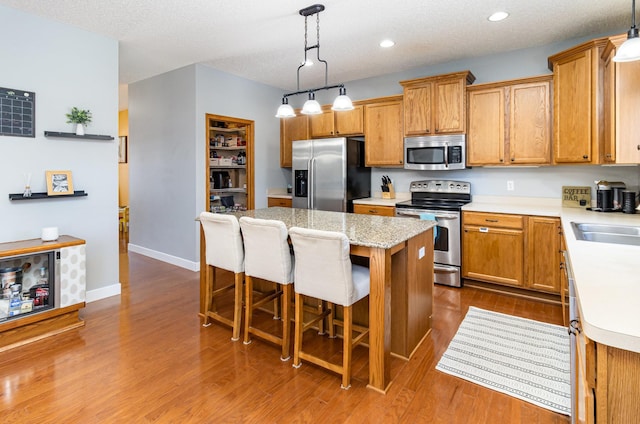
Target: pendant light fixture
630, 49
311, 106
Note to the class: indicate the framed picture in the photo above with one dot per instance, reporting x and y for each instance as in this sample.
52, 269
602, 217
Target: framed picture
122, 149
59, 182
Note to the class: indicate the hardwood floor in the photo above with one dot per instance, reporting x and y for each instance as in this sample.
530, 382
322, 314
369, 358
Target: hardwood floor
144, 357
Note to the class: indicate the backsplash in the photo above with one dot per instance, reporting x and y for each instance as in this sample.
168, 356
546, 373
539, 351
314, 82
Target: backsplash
527, 181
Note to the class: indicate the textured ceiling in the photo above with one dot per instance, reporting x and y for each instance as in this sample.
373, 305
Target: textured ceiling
263, 40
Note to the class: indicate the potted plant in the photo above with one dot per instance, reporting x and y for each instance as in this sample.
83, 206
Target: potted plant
80, 117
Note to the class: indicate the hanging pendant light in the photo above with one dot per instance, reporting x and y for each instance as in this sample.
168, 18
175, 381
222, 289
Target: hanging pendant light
630, 49
342, 102
311, 106
285, 110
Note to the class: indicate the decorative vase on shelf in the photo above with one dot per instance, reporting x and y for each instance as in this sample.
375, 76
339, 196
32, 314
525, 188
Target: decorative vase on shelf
79, 129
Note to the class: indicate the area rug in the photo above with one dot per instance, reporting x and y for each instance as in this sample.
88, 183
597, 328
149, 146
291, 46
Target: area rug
520, 357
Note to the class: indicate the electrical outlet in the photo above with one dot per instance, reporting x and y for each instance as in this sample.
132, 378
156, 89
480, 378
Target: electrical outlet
510, 186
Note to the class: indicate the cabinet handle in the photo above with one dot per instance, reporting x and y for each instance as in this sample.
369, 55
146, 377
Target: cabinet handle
437, 130
373, 211
585, 156
492, 220
513, 159
638, 146
501, 160
428, 131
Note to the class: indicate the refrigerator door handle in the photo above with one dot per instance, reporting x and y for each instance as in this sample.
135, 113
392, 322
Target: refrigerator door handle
311, 191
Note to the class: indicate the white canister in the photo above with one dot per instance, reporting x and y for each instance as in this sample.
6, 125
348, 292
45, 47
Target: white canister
49, 233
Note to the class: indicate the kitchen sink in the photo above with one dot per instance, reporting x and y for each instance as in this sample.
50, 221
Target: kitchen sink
603, 233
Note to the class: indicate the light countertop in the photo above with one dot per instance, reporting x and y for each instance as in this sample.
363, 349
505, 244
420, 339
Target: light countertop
607, 276
377, 200
278, 193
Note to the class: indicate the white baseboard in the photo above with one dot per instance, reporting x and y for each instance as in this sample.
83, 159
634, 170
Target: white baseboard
170, 259
103, 292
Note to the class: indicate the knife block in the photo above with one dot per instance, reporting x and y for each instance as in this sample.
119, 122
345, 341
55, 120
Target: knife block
391, 194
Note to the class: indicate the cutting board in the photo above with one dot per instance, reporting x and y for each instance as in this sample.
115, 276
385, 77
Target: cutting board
576, 196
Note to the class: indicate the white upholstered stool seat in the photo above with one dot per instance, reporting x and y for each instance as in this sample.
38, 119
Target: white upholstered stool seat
324, 270
224, 250
268, 257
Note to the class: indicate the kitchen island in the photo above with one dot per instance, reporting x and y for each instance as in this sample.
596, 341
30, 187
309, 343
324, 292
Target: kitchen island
400, 255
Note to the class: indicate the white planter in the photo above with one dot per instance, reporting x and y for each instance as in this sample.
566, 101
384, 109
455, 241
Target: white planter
79, 129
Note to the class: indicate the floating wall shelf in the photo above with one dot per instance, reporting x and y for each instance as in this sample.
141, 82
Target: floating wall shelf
36, 196
73, 135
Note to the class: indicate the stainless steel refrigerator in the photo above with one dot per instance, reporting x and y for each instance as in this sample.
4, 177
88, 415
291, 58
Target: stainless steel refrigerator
329, 173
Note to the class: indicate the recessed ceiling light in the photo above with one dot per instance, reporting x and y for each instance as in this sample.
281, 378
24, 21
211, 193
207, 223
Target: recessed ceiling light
387, 43
498, 16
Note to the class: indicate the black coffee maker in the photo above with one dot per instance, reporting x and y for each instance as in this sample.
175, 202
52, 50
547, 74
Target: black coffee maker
609, 195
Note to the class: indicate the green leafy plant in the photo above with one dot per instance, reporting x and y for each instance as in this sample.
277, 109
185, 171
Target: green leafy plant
78, 116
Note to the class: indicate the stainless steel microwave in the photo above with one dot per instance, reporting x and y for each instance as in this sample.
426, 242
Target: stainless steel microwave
437, 152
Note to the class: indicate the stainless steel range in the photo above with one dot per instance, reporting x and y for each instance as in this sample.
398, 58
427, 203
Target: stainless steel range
444, 199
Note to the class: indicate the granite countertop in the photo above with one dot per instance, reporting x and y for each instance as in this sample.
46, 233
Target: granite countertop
362, 230
607, 276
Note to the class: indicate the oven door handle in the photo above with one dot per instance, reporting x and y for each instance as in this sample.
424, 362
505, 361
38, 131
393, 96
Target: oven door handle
418, 213
445, 269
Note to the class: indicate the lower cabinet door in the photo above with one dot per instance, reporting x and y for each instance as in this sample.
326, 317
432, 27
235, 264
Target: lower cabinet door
494, 255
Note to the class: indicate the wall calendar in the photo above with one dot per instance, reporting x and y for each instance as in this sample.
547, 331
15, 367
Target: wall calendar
17, 112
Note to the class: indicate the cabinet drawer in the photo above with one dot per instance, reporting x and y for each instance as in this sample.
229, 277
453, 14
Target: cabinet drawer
375, 210
493, 220
278, 201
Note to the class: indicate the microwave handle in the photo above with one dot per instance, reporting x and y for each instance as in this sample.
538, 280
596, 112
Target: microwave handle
446, 155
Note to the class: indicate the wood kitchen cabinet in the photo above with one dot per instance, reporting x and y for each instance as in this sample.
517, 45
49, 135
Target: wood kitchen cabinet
374, 210
383, 132
510, 122
337, 123
294, 128
543, 254
621, 105
436, 105
513, 250
493, 248
578, 77
279, 201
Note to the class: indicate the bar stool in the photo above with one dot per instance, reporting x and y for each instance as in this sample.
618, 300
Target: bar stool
324, 270
223, 250
267, 256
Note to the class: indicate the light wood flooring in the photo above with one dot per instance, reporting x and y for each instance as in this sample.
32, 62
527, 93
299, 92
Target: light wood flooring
144, 357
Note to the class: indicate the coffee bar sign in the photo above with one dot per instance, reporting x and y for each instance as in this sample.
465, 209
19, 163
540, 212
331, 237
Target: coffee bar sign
576, 196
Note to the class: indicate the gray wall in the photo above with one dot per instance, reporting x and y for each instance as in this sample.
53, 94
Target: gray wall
167, 153
65, 67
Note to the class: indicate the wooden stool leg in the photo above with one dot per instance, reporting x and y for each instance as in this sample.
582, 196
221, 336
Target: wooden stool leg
330, 318
210, 281
299, 323
321, 306
237, 309
248, 307
347, 348
286, 321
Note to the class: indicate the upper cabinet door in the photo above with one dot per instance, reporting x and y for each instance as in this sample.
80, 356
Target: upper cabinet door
417, 110
322, 125
349, 122
529, 123
449, 116
573, 109
485, 141
383, 134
